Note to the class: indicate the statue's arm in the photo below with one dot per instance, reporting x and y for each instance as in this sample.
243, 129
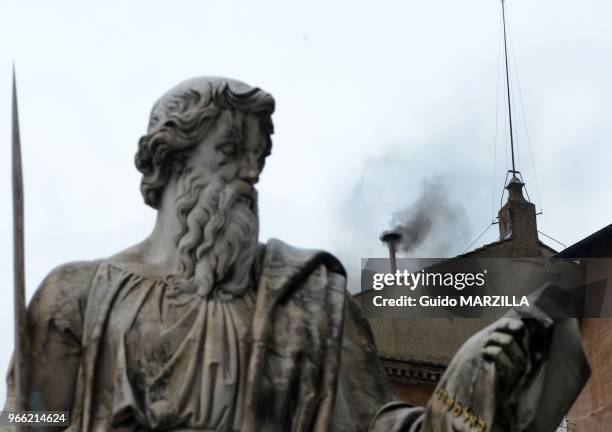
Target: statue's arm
55, 317
496, 375
365, 398
483, 384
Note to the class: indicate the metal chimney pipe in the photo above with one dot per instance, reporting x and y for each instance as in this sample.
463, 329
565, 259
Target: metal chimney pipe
391, 239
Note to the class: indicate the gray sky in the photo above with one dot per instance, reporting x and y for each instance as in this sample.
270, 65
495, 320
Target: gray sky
374, 100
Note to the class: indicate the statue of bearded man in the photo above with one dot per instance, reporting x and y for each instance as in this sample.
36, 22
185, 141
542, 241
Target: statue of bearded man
200, 327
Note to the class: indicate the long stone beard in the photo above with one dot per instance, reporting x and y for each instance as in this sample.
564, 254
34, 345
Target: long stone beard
217, 242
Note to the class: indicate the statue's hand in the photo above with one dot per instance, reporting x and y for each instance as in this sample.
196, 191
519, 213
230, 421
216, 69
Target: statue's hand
517, 348
507, 348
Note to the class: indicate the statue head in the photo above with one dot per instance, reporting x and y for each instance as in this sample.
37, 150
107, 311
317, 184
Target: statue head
181, 119
208, 138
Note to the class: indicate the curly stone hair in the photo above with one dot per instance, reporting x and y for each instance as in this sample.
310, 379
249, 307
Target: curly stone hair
180, 120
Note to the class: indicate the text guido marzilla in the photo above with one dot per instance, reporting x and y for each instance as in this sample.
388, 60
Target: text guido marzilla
447, 301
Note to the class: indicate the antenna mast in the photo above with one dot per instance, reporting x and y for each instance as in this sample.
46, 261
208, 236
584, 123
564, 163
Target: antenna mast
503, 3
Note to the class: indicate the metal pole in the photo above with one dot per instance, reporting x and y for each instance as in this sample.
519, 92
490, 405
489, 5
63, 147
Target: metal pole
392, 259
391, 239
508, 87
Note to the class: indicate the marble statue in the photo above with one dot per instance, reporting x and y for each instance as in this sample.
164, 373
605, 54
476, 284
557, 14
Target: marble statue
202, 328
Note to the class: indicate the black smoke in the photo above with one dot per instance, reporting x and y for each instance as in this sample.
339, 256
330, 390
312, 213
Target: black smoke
434, 220
432, 210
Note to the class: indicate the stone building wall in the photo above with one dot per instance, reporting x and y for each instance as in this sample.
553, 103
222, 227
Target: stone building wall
592, 411
415, 352
407, 347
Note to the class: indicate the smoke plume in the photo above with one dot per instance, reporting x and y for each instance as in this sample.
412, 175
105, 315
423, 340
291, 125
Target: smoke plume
434, 220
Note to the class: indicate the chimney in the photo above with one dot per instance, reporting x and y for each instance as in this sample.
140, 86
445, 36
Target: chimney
391, 239
517, 220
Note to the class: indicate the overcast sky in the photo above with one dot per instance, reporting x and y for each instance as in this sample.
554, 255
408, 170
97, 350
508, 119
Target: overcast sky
375, 102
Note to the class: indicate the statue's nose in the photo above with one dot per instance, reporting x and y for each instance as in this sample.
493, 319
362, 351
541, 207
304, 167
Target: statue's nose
250, 170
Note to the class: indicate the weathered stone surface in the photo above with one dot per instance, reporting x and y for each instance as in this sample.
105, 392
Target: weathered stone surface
201, 327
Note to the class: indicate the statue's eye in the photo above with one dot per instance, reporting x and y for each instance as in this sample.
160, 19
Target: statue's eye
229, 148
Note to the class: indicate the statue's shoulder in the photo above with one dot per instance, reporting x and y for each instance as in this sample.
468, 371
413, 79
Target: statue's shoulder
64, 290
278, 254
72, 277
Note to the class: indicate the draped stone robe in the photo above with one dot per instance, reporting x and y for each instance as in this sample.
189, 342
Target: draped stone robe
292, 355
